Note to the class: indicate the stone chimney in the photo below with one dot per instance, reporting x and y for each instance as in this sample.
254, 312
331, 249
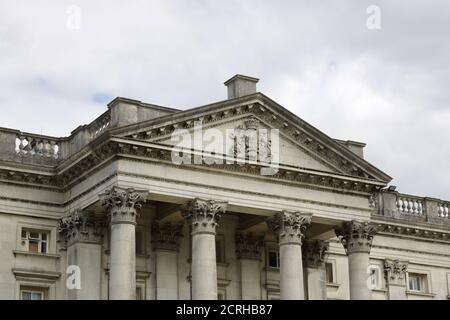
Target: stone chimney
240, 85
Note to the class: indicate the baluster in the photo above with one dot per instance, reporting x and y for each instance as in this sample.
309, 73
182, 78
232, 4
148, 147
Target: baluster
28, 147
409, 209
421, 208
39, 147
46, 148
440, 210
21, 144
399, 204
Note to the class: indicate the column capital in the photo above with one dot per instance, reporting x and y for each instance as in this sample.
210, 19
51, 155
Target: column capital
314, 252
395, 271
248, 246
289, 226
122, 204
204, 214
357, 236
80, 227
166, 236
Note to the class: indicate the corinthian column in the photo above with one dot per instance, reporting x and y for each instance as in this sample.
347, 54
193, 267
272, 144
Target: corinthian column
248, 251
289, 227
82, 235
314, 253
166, 239
395, 271
204, 216
356, 237
122, 205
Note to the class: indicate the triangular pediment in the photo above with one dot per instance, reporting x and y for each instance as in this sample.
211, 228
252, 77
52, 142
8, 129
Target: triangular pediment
300, 144
290, 152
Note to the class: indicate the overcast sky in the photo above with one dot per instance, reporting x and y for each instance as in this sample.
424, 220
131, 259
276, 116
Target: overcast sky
386, 87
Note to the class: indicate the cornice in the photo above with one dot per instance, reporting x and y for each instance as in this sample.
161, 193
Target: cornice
413, 232
123, 147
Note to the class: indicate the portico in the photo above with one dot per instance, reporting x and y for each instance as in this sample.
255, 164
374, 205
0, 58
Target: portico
285, 212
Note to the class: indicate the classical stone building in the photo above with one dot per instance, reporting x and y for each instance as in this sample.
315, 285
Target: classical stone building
111, 212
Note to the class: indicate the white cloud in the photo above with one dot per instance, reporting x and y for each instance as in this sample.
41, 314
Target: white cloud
387, 88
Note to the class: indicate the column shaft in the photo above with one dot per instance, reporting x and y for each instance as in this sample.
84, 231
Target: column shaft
122, 270
291, 272
356, 237
204, 267
122, 205
289, 227
358, 263
204, 216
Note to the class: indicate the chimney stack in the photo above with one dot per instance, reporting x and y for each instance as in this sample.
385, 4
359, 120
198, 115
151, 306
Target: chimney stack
240, 85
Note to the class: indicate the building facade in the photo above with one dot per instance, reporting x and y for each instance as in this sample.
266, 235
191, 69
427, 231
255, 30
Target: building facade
138, 205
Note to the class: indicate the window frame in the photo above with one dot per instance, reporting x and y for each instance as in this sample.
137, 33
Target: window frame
277, 258
33, 289
377, 276
50, 230
328, 263
423, 281
25, 241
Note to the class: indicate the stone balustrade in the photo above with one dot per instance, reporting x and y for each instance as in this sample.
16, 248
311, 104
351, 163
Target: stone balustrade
34, 148
99, 125
37, 146
412, 208
410, 205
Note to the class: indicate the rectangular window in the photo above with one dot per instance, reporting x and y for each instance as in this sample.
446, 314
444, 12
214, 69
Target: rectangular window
274, 259
329, 272
220, 249
374, 277
35, 240
139, 242
417, 282
32, 293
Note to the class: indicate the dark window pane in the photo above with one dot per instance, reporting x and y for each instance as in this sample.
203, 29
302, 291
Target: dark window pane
139, 247
44, 236
43, 247
24, 234
273, 259
219, 251
329, 272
